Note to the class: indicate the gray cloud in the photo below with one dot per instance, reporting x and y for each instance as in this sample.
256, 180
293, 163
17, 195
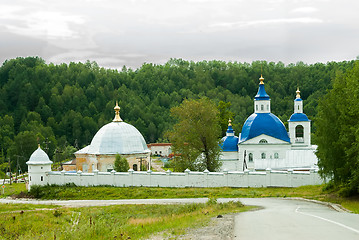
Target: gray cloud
117, 33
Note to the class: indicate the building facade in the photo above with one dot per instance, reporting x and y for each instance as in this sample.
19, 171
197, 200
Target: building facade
264, 141
114, 138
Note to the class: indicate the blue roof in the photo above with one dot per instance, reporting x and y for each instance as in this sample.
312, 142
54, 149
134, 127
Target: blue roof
230, 129
229, 144
264, 123
261, 94
298, 117
298, 99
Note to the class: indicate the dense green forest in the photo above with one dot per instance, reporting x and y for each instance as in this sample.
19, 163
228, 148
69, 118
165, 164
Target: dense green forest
63, 106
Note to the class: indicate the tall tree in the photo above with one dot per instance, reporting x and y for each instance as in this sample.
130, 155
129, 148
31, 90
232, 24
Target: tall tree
337, 132
195, 137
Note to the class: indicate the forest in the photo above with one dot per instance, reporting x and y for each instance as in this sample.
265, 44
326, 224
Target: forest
62, 106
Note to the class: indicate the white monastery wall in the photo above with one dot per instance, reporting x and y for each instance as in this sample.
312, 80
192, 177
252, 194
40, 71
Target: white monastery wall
266, 178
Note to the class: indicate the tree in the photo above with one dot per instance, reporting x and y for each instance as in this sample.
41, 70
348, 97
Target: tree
224, 115
337, 132
195, 137
121, 164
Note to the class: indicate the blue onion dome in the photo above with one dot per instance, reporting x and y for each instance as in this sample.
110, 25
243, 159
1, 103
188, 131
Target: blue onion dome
39, 157
264, 123
117, 137
229, 142
261, 94
298, 117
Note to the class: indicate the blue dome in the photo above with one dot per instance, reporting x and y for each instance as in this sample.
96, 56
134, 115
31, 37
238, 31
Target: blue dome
264, 123
298, 117
229, 144
261, 94
298, 99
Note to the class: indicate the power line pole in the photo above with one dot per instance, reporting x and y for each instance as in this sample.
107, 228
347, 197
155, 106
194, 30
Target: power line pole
10, 169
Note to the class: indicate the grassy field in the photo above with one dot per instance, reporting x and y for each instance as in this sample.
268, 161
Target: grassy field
111, 222
107, 193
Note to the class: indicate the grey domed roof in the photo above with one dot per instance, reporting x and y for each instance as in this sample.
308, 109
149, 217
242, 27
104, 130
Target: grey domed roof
39, 157
118, 137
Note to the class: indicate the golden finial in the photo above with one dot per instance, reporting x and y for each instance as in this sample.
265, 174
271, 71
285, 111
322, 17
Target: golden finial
117, 113
38, 145
261, 79
298, 93
229, 122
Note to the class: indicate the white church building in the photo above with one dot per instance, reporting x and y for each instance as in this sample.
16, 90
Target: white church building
264, 142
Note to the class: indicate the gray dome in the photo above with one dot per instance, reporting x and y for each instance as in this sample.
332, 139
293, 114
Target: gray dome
39, 157
118, 137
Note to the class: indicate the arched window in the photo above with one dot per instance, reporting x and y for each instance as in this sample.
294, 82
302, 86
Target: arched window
299, 131
250, 157
262, 108
134, 167
267, 107
263, 155
276, 155
263, 141
298, 107
256, 107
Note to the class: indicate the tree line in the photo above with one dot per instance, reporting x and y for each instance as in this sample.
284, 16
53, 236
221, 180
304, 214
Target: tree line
63, 106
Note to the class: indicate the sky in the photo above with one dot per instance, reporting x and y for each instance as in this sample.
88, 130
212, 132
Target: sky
117, 33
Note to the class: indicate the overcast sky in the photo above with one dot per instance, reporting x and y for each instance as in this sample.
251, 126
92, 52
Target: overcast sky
123, 32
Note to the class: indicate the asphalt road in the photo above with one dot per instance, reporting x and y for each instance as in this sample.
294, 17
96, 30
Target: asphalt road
294, 219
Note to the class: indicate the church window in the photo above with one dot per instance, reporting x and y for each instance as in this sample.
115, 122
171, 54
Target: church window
263, 155
41, 167
262, 108
257, 107
299, 131
267, 107
134, 167
298, 107
263, 141
30, 178
42, 178
250, 157
276, 155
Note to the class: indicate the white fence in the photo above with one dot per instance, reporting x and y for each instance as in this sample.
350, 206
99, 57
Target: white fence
267, 178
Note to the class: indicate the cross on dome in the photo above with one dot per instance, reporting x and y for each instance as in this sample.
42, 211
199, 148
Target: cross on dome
117, 113
298, 93
261, 79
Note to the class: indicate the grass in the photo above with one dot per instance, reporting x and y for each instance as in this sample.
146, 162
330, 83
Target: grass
111, 222
107, 192
14, 188
22, 207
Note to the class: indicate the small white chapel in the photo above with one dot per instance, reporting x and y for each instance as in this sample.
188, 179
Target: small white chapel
264, 141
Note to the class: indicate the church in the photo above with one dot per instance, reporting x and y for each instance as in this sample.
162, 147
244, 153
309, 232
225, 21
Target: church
116, 137
264, 141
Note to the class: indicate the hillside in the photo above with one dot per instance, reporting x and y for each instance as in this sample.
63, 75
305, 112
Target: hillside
64, 105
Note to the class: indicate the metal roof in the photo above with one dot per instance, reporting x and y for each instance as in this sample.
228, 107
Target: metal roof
264, 123
261, 94
38, 157
117, 137
298, 117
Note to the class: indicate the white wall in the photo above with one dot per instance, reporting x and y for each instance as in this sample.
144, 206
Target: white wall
267, 178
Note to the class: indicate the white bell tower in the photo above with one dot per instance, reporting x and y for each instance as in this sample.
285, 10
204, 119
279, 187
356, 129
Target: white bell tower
299, 124
38, 164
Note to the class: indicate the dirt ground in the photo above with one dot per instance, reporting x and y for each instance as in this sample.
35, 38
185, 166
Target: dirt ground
218, 228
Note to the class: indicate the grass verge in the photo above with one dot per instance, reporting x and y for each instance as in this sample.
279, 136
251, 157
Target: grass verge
72, 192
111, 222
